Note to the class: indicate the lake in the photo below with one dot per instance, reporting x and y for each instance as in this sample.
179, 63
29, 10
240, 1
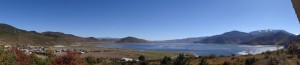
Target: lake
196, 48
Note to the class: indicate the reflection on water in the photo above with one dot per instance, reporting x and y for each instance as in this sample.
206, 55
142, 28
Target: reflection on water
198, 49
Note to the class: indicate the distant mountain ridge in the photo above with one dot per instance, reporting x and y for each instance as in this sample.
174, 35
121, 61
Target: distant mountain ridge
260, 32
260, 37
109, 39
12, 35
280, 38
131, 40
234, 37
185, 40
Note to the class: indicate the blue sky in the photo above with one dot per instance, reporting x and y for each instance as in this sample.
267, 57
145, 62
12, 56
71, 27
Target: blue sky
149, 19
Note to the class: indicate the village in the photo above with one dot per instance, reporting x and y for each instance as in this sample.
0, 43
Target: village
60, 50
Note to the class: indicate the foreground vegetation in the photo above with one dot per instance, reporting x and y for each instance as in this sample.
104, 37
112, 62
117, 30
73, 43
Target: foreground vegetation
287, 56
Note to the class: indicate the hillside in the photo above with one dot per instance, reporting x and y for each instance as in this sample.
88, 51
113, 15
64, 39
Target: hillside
260, 37
228, 38
185, 40
108, 40
131, 40
12, 35
272, 38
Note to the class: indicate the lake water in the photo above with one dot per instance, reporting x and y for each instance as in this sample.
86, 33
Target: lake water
196, 48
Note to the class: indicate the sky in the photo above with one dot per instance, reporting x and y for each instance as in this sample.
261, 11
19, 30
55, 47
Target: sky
149, 19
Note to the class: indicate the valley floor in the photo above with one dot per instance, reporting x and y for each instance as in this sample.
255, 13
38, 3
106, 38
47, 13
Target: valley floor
98, 52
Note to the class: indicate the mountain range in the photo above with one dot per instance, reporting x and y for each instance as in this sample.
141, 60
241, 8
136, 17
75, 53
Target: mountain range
261, 37
131, 40
12, 35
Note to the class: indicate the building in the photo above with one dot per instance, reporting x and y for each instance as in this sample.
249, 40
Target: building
128, 59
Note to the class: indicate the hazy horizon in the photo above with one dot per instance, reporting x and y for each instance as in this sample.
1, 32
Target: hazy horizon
149, 19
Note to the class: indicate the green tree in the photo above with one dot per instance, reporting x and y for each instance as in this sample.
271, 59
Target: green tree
250, 61
166, 61
180, 60
142, 58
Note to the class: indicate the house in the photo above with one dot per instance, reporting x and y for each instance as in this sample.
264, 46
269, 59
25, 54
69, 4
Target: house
7, 46
59, 46
128, 59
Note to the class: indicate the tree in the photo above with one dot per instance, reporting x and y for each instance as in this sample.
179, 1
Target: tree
226, 63
180, 60
203, 62
166, 61
142, 58
250, 61
90, 60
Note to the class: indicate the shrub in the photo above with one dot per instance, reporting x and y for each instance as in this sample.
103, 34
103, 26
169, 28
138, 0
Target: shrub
212, 56
36, 60
142, 58
226, 63
90, 60
70, 59
221, 56
203, 62
7, 57
180, 60
22, 59
166, 61
250, 61
267, 52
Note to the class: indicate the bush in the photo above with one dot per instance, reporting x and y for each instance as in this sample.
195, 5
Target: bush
36, 60
221, 56
7, 57
212, 56
226, 63
70, 59
142, 58
90, 60
267, 52
250, 61
203, 62
22, 59
166, 61
180, 60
